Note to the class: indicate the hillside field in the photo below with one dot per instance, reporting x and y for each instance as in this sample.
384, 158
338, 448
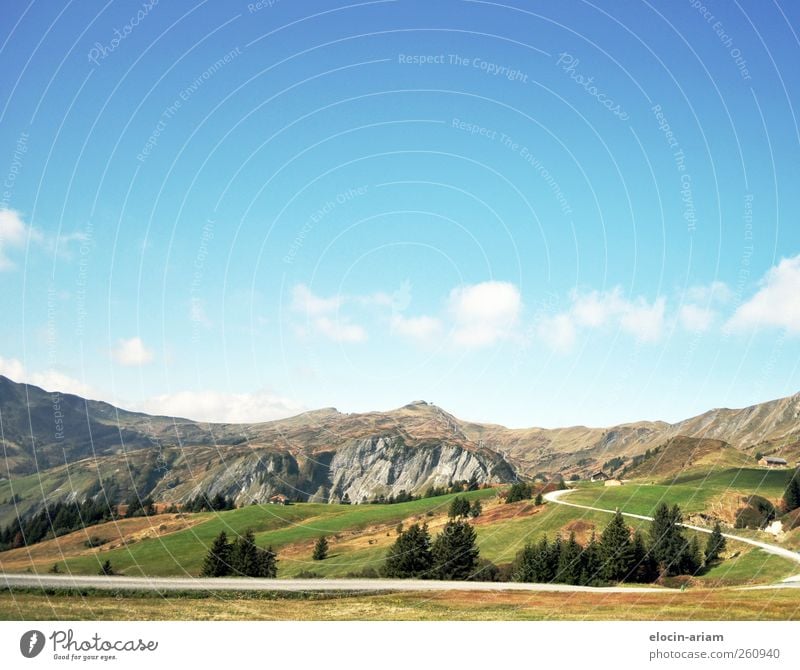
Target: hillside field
359, 535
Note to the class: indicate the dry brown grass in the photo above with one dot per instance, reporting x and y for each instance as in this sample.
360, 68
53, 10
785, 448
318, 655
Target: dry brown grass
722, 605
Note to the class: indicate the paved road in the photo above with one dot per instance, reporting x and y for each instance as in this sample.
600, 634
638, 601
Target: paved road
555, 497
163, 584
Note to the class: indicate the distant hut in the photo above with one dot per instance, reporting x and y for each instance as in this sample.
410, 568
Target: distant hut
279, 499
773, 462
599, 476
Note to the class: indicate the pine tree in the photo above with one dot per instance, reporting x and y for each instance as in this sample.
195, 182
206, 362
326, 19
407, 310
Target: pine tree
616, 549
716, 544
791, 497
667, 543
569, 561
455, 553
459, 507
476, 509
519, 491
644, 569
320, 549
410, 555
534, 563
267, 563
691, 559
244, 555
591, 564
217, 562
539, 500
106, 569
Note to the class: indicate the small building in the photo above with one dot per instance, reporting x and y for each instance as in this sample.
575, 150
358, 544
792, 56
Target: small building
599, 476
613, 482
773, 462
279, 499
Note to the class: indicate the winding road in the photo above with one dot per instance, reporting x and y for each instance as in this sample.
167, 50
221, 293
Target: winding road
165, 584
794, 581
197, 584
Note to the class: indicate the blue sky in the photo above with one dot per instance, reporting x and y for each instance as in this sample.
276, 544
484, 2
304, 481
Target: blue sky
528, 213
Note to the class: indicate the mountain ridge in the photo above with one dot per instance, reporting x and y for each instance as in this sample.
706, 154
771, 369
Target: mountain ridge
321, 454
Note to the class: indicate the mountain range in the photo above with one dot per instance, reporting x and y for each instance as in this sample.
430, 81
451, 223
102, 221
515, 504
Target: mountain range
59, 446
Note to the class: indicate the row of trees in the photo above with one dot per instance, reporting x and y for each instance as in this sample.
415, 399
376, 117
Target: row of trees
524, 491
453, 555
239, 558
619, 556
55, 520
461, 508
202, 503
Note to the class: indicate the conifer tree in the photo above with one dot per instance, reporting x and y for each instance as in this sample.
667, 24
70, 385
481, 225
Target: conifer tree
459, 508
616, 549
643, 567
791, 497
244, 555
476, 509
591, 564
569, 561
217, 562
320, 549
667, 543
716, 544
267, 563
410, 555
455, 552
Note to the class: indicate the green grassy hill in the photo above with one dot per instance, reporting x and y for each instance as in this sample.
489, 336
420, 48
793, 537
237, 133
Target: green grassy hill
359, 535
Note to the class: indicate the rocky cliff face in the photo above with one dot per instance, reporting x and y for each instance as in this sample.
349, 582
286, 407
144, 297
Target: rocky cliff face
386, 465
360, 470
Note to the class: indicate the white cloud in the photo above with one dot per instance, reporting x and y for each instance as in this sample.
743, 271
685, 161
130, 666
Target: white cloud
716, 292
558, 332
416, 327
695, 318
304, 300
340, 330
698, 312
777, 302
50, 380
132, 352
13, 233
595, 309
643, 320
12, 368
484, 313
214, 406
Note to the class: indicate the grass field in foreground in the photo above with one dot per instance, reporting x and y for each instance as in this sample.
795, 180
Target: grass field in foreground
705, 604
